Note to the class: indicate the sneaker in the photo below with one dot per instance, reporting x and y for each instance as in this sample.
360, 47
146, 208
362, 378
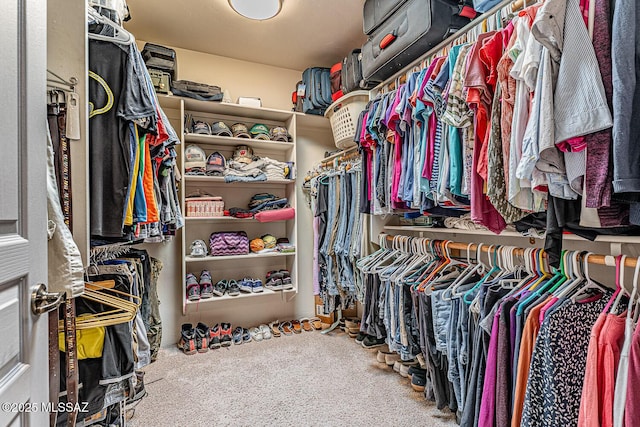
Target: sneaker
380, 357
360, 337
246, 335
256, 286
416, 370
214, 337
233, 289
193, 288
372, 342
198, 249
274, 280
225, 334
220, 288
187, 341
206, 287
237, 335
246, 285
404, 369
418, 382
202, 337
391, 359
287, 283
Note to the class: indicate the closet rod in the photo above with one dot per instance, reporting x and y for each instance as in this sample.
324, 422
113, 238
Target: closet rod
478, 21
608, 260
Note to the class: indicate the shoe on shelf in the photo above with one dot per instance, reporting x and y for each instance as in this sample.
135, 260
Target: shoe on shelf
360, 337
187, 341
233, 289
274, 280
391, 359
220, 288
214, 337
286, 282
237, 335
256, 286
246, 285
193, 288
415, 370
226, 335
372, 342
202, 337
418, 382
206, 286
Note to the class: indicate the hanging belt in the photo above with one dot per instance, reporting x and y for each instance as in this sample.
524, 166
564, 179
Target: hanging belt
54, 364
72, 359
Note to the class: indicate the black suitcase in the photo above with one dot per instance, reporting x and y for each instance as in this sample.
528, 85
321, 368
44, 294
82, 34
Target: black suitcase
351, 74
160, 58
377, 11
408, 32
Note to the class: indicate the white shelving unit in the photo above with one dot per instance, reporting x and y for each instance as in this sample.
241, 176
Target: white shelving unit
236, 194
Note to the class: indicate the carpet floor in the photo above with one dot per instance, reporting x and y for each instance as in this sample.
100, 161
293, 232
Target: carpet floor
301, 380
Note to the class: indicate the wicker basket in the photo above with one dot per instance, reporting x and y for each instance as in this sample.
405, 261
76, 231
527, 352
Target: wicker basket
204, 207
343, 116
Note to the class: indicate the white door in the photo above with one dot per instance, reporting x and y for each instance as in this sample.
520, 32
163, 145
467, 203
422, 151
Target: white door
24, 371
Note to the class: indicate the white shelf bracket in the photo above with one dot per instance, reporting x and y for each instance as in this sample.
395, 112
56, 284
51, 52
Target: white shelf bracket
615, 248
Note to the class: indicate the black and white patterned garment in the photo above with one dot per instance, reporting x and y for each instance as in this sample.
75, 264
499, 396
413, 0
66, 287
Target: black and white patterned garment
558, 364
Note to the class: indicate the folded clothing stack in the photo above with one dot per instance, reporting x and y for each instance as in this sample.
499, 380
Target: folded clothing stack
245, 166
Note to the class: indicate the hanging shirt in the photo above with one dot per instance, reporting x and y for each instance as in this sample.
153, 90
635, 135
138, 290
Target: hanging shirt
632, 408
508, 86
626, 97
558, 364
589, 403
599, 175
117, 95
609, 349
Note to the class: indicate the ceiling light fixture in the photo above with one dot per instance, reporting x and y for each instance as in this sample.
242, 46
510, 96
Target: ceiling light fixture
260, 10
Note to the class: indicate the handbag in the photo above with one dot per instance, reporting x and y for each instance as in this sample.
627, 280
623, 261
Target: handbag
229, 243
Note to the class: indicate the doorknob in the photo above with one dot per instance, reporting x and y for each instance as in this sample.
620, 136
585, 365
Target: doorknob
43, 301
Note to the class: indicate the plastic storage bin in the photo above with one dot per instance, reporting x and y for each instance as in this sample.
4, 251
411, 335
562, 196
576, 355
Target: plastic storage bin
343, 116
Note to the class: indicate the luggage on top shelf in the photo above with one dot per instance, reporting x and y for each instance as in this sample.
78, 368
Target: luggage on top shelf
352, 73
317, 90
401, 31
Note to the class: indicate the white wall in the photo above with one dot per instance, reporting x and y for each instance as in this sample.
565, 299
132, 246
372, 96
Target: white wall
241, 78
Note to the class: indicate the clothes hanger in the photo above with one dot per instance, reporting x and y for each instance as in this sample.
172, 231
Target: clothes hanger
494, 269
124, 306
633, 296
590, 283
468, 272
620, 289
121, 36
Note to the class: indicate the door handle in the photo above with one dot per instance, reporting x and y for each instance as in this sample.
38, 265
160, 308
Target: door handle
43, 301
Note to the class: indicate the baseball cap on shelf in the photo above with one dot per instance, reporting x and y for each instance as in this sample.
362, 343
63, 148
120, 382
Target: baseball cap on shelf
220, 129
195, 159
201, 128
260, 131
240, 130
215, 164
280, 133
243, 154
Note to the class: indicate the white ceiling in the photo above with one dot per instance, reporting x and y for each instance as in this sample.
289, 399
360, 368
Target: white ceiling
305, 33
